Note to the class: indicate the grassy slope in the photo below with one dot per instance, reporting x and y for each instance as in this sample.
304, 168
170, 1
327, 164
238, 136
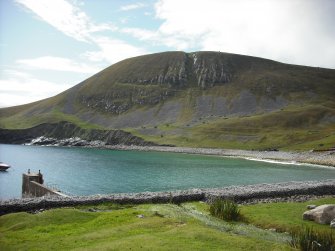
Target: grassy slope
290, 128
271, 130
119, 229
164, 227
300, 125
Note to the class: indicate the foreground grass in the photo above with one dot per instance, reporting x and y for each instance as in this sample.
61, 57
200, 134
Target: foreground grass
163, 227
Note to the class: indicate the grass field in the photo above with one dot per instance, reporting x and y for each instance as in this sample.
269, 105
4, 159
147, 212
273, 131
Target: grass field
152, 227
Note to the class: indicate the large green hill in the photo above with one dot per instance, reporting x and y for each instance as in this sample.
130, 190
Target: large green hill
199, 99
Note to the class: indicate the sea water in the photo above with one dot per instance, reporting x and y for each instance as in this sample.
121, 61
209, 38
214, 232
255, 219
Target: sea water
85, 171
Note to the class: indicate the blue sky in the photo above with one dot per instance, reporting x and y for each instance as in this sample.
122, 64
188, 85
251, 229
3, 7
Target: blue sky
47, 46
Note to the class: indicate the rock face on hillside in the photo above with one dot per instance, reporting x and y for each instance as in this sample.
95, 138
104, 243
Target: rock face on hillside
68, 134
156, 78
151, 79
179, 70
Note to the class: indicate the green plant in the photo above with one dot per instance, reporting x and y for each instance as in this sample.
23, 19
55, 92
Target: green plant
308, 239
225, 210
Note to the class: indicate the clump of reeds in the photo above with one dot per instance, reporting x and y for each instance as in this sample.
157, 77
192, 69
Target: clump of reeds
308, 239
225, 209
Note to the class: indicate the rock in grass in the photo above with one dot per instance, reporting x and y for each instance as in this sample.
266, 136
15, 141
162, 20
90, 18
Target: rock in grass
311, 206
322, 214
332, 223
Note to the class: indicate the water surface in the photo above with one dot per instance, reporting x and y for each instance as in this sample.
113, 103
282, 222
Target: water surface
82, 171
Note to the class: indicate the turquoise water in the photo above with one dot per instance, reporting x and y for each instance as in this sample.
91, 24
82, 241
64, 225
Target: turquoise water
80, 171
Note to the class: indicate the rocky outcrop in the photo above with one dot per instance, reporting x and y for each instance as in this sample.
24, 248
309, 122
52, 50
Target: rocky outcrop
151, 79
322, 214
124, 98
75, 141
211, 70
67, 134
150, 87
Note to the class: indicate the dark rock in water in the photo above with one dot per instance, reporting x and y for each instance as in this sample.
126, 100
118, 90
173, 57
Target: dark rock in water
68, 134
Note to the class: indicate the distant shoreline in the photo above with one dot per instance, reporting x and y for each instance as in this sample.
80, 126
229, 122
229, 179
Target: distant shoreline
322, 159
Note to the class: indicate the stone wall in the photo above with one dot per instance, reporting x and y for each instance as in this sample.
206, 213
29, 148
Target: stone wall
238, 193
39, 190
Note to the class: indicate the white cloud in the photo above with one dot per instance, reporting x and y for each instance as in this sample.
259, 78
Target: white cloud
113, 50
142, 34
65, 17
299, 31
20, 88
69, 19
156, 37
132, 6
58, 64
290, 31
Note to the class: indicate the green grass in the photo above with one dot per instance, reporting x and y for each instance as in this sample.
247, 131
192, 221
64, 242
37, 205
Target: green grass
21, 121
164, 227
283, 216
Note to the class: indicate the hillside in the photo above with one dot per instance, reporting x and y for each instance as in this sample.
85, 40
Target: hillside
200, 99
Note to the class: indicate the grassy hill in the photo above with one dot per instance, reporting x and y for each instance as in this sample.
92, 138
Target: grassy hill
200, 99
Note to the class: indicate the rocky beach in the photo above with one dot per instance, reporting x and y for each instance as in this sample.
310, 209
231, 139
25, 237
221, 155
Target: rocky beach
324, 158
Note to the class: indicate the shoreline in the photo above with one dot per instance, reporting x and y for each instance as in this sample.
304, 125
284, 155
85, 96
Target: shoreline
247, 194
321, 158
324, 159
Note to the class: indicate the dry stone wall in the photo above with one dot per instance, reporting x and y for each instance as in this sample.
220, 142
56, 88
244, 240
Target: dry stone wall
240, 194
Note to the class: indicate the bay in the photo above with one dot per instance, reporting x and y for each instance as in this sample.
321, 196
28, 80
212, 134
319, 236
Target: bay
85, 171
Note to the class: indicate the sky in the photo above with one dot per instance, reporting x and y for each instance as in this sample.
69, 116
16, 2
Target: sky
48, 46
